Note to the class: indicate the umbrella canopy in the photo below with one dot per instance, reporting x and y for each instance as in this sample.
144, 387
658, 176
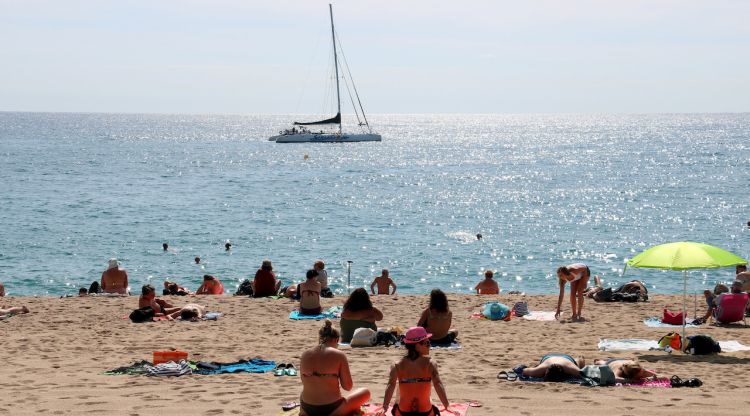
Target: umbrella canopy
685, 255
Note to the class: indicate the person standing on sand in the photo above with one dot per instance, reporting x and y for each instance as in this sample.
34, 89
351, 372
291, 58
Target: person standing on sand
384, 284
114, 279
324, 371
415, 374
577, 275
488, 286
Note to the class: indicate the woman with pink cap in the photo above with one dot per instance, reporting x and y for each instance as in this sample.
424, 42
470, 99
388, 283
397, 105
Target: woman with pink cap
416, 373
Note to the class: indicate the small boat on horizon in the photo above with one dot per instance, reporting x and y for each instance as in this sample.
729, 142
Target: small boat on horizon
300, 133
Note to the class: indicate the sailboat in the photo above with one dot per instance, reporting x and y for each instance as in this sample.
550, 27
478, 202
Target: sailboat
301, 133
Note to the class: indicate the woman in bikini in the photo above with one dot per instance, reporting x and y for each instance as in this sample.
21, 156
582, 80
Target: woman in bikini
309, 290
556, 367
626, 370
416, 373
578, 276
437, 318
324, 371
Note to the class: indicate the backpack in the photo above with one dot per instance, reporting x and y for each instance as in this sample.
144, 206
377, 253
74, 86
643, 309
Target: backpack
142, 315
245, 289
672, 340
385, 338
701, 345
521, 308
364, 337
597, 375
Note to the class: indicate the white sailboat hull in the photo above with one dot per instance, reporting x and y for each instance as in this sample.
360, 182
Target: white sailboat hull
326, 138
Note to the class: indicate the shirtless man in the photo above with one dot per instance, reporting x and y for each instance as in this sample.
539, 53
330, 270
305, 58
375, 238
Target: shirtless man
384, 283
189, 312
148, 298
488, 286
556, 367
743, 276
114, 279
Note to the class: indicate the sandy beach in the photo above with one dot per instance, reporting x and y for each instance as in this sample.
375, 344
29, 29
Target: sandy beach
54, 358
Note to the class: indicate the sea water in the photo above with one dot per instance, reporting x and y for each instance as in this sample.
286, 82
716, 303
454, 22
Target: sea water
542, 190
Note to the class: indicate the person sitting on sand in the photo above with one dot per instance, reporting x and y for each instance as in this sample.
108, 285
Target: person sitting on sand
13, 310
189, 312
2, 291
324, 371
416, 374
437, 318
578, 275
114, 279
626, 370
384, 284
265, 282
488, 286
211, 286
358, 313
743, 276
172, 288
309, 290
148, 298
320, 267
556, 367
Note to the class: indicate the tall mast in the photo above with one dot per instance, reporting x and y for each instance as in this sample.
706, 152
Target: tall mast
336, 65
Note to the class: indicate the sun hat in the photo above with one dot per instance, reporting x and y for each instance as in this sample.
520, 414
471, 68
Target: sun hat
416, 334
495, 311
113, 263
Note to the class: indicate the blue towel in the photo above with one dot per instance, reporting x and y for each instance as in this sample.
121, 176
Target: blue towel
256, 365
331, 313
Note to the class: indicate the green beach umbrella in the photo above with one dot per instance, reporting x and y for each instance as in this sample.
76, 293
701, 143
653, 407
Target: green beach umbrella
685, 255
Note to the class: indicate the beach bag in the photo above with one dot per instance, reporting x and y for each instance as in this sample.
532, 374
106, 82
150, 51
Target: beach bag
673, 318
496, 311
385, 338
142, 315
672, 340
521, 308
597, 375
364, 337
245, 289
701, 345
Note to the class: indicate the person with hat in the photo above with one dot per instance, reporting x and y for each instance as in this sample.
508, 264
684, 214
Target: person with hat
265, 282
115, 278
415, 374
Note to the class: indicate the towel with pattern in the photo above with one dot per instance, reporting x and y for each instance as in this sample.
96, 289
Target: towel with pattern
331, 313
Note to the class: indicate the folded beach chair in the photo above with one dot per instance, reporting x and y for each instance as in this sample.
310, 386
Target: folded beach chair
731, 308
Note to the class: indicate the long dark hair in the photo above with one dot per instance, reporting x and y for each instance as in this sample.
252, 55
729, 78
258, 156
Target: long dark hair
411, 352
312, 273
359, 300
438, 301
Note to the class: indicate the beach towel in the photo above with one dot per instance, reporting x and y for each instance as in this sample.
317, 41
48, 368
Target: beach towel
655, 322
170, 369
331, 313
452, 346
732, 346
255, 365
138, 368
647, 345
9, 315
458, 409
540, 316
656, 383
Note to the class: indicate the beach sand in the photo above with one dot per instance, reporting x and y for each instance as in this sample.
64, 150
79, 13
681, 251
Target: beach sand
54, 357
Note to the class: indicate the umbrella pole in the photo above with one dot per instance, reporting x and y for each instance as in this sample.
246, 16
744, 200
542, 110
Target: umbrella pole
684, 306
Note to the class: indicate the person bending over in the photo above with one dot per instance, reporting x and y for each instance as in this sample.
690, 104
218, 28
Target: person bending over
324, 371
488, 286
415, 374
626, 370
148, 298
384, 283
556, 367
437, 318
210, 286
578, 276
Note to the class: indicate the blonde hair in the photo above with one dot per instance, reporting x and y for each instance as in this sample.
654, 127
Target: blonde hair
319, 264
631, 370
328, 332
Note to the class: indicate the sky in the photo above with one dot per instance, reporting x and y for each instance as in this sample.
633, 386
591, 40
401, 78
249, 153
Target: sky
273, 57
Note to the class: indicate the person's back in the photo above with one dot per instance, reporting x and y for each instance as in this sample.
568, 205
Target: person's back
488, 286
309, 303
265, 282
415, 384
358, 313
437, 323
731, 307
114, 279
320, 368
383, 283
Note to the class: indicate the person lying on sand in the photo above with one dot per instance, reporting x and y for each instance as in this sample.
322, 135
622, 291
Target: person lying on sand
488, 286
172, 288
416, 374
626, 370
148, 298
384, 283
15, 310
189, 312
556, 367
325, 371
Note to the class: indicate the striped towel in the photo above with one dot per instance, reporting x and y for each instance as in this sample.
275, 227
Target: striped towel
170, 369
